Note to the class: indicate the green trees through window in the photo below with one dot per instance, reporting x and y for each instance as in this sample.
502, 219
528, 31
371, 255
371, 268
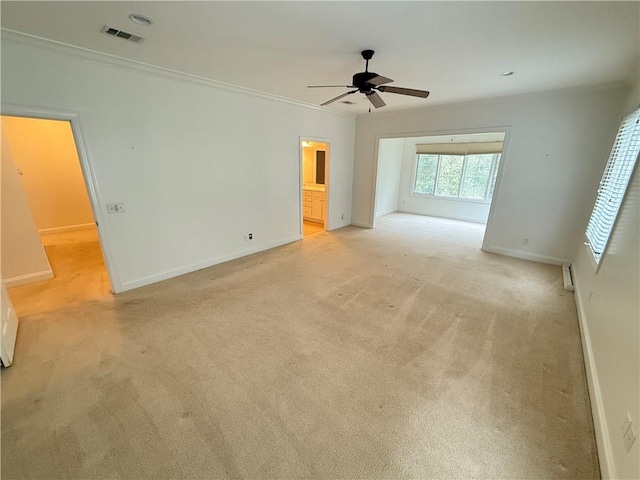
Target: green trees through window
426, 174
468, 177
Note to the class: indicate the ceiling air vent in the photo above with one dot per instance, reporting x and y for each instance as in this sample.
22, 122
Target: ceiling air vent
122, 34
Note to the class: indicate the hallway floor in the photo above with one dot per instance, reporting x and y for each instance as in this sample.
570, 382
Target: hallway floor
309, 228
79, 274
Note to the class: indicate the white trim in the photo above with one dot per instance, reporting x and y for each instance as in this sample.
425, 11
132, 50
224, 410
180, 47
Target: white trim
534, 257
386, 212
45, 44
208, 263
450, 217
603, 440
361, 224
28, 278
88, 173
68, 228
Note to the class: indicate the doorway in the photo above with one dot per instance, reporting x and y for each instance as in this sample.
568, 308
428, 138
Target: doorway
314, 155
56, 212
448, 176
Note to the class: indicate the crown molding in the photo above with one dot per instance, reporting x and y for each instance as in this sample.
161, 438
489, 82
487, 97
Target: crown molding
23, 39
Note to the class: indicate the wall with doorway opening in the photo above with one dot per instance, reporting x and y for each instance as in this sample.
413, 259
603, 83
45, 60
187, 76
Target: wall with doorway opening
45, 155
197, 164
551, 164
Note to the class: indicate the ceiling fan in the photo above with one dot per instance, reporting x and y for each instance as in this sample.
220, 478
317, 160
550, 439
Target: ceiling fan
370, 83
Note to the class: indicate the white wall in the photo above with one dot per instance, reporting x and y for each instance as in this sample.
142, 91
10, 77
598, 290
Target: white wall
23, 259
45, 152
197, 166
553, 151
610, 323
389, 165
437, 207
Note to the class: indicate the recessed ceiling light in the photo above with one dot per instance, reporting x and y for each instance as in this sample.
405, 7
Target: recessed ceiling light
140, 19
506, 74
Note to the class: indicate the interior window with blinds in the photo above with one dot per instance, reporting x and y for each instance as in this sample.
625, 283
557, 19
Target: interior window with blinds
457, 171
613, 185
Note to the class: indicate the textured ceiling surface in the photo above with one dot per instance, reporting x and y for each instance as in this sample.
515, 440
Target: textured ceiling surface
456, 50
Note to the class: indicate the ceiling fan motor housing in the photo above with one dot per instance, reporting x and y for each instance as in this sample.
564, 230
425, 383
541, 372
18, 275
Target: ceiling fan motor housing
360, 81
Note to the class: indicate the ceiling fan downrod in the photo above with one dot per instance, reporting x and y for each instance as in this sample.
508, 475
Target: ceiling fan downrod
367, 55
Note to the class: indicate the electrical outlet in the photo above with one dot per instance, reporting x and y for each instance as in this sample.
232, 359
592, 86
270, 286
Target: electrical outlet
342, 217
115, 208
248, 236
525, 241
627, 419
629, 438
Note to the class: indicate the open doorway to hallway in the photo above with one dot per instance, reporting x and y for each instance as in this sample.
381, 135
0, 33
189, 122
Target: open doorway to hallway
315, 176
54, 257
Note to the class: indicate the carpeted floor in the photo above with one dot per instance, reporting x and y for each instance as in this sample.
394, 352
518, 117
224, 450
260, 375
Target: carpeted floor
399, 352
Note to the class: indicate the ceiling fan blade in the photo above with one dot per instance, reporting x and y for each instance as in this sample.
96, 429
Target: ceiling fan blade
379, 80
404, 91
329, 86
375, 99
337, 98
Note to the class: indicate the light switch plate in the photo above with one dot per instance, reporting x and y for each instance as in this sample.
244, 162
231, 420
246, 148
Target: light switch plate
115, 208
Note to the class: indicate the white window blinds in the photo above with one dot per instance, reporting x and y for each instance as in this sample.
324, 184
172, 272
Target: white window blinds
613, 185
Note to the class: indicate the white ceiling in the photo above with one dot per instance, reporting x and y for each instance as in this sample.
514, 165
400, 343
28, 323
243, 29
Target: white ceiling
454, 49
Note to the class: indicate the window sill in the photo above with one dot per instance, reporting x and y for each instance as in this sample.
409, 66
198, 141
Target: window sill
448, 199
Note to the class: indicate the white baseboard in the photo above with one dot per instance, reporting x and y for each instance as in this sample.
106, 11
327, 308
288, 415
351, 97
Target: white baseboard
361, 224
28, 278
450, 217
68, 228
386, 212
342, 224
603, 441
199, 266
534, 257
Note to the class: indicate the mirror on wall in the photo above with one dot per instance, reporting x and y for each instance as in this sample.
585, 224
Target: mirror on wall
320, 166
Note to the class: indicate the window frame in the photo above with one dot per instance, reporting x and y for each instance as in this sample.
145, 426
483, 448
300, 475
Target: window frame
414, 176
597, 260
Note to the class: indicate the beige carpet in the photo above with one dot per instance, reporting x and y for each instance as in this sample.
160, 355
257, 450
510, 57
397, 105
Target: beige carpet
399, 352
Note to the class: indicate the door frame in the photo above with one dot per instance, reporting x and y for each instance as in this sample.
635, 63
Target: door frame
327, 179
88, 174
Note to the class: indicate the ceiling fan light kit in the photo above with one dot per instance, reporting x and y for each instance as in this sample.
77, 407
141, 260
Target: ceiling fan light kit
369, 84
